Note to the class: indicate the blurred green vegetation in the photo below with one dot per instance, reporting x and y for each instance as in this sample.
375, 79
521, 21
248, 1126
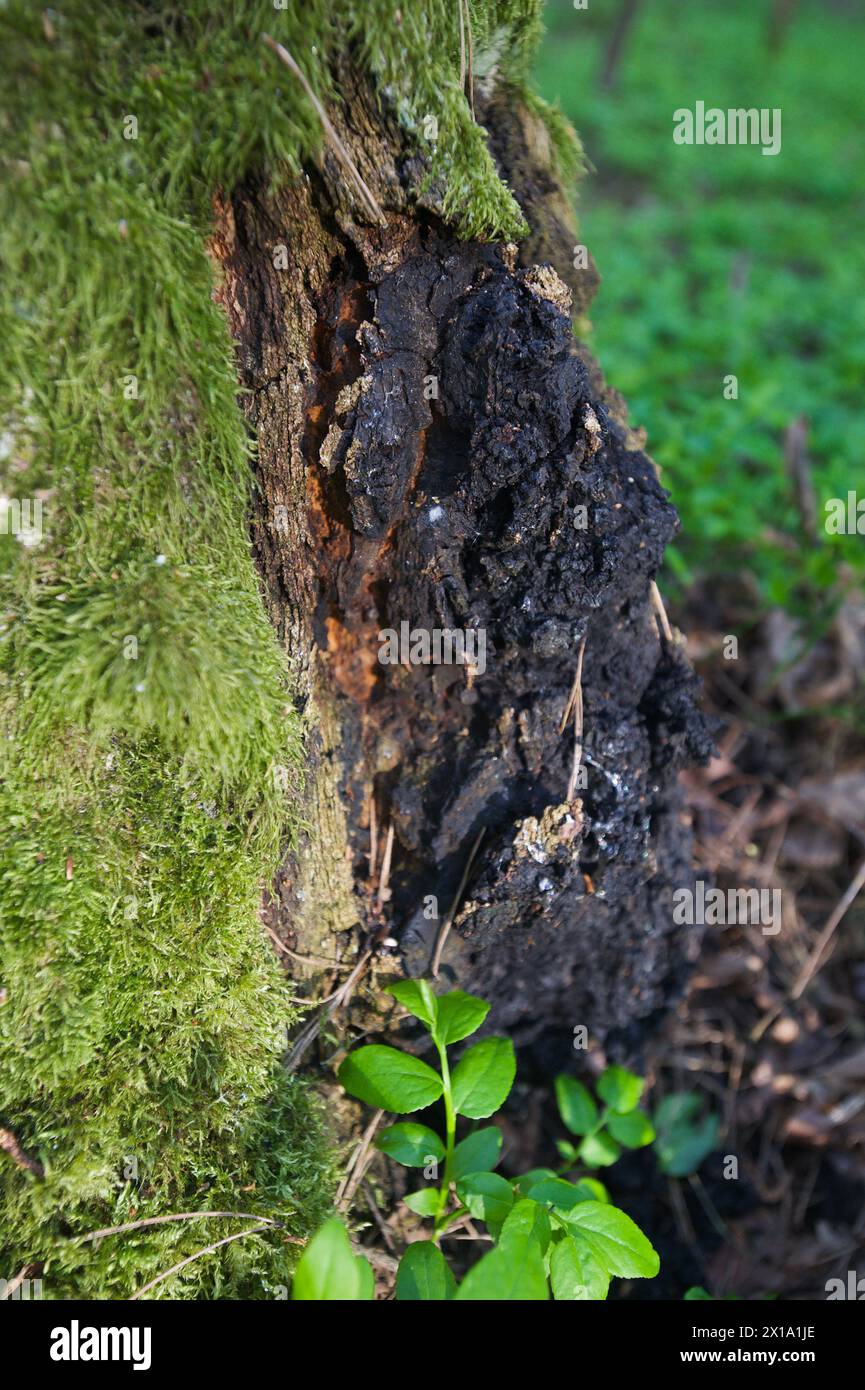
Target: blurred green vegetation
720, 260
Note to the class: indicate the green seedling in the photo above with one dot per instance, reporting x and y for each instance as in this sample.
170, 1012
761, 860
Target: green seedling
549, 1236
604, 1126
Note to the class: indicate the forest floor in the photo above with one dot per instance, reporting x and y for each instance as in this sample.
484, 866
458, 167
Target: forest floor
716, 262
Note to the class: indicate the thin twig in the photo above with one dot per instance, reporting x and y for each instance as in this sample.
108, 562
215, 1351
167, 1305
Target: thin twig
577, 701
573, 695
385, 868
304, 960
182, 1216
660, 612
373, 836
207, 1250
344, 993
357, 1167
446, 925
467, 81
10, 1145
814, 961
339, 148
377, 1217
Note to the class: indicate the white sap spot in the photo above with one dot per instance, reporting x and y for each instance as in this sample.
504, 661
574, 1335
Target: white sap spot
436, 513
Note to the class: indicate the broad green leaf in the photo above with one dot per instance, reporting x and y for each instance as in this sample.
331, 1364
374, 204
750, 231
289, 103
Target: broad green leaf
616, 1242
526, 1181
410, 1144
483, 1077
488, 1196
559, 1193
576, 1107
635, 1130
515, 1274
599, 1150
620, 1089
458, 1016
424, 1202
390, 1079
575, 1273
418, 998
365, 1280
327, 1270
593, 1190
479, 1152
526, 1218
423, 1275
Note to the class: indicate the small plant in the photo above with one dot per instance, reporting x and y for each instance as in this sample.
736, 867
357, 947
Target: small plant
603, 1130
685, 1137
549, 1235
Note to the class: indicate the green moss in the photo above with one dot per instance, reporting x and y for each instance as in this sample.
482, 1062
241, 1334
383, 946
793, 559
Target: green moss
145, 702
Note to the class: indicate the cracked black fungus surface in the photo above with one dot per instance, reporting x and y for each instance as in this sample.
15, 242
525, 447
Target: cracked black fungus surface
467, 458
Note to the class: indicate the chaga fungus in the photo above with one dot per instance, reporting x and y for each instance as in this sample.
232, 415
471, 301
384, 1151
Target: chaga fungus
450, 461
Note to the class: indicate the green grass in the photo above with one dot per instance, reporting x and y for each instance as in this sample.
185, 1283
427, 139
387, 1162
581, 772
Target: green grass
721, 260
144, 698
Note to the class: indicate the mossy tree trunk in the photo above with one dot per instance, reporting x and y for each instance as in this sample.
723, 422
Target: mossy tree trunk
435, 449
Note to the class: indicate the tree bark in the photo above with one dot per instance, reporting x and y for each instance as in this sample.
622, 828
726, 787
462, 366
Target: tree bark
434, 448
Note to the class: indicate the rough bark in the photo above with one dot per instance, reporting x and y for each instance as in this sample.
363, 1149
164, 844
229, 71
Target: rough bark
427, 432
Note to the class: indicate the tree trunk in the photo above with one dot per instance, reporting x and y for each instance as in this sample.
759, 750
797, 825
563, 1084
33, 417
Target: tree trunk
435, 450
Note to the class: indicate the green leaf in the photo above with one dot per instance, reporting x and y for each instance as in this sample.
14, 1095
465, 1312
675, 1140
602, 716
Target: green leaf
365, 1280
635, 1130
576, 1107
526, 1218
526, 1181
620, 1089
683, 1141
599, 1150
676, 1108
410, 1144
327, 1270
513, 1274
458, 1016
567, 1151
575, 1274
483, 1076
559, 1193
423, 1275
425, 1202
488, 1196
616, 1242
418, 998
389, 1079
479, 1152
697, 1294
593, 1189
